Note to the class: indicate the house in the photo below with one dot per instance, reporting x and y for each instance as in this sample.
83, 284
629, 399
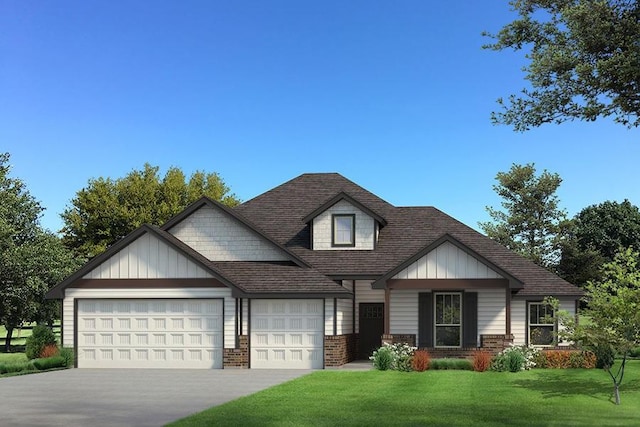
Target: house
316, 272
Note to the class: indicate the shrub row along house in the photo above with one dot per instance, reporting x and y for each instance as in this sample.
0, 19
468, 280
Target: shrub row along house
316, 272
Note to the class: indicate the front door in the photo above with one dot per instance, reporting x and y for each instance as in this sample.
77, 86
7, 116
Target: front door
371, 327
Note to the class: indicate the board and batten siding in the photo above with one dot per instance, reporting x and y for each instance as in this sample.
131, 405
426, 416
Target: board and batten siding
404, 311
148, 257
519, 316
322, 228
364, 293
220, 237
72, 294
447, 261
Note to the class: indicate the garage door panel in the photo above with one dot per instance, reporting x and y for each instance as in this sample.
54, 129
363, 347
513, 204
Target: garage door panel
150, 334
287, 334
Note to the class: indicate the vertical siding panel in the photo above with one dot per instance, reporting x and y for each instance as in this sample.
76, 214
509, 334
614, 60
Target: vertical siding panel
143, 257
422, 268
432, 265
124, 262
451, 261
154, 251
182, 267
412, 271
461, 264
441, 263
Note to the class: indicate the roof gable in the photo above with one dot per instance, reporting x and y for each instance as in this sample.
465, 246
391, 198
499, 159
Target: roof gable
339, 197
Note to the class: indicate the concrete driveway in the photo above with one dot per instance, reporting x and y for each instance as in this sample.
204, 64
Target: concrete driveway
131, 397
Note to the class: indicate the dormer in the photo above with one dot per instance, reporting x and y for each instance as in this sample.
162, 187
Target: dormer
343, 223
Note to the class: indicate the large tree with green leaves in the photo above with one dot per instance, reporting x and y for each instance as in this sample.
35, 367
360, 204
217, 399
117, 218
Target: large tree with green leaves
597, 234
108, 209
583, 61
531, 222
613, 309
32, 260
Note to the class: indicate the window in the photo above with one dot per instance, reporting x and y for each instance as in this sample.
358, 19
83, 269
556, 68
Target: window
344, 230
448, 316
541, 325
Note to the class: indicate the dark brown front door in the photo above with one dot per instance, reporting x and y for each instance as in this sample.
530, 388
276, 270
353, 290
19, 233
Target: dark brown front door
371, 327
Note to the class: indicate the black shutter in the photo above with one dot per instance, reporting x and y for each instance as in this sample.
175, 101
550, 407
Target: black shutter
470, 319
425, 319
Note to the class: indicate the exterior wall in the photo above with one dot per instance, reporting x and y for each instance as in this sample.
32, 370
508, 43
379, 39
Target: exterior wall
404, 311
148, 258
328, 316
364, 293
345, 316
365, 228
72, 294
519, 316
220, 237
447, 261
237, 357
339, 349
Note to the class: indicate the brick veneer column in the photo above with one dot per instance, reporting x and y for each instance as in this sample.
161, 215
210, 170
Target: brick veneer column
237, 357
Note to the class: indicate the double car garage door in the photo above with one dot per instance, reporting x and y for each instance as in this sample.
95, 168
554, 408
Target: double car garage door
188, 333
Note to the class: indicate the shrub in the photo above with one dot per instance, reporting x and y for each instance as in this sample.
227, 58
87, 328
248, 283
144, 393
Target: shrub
515, 358
420, 361
635, 352
49, 350
401, 355
540, 359
481, 360
41, 336
451, 364
382, 358
49, 363
14, 367
68, 355
558, 359
605, 356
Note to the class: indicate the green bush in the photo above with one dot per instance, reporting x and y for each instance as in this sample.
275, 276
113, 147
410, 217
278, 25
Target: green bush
9, 368
68, 355
635, 352
515, 361
605, 356
451, 364
382, 358
516, 358
49, 363
41, 336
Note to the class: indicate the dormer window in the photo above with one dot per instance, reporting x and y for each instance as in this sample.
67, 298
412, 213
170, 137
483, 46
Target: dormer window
343, 230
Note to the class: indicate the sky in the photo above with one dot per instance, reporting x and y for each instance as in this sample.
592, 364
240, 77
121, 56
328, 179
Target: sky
396, 96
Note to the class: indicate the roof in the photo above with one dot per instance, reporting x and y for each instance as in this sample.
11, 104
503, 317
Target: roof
282, 211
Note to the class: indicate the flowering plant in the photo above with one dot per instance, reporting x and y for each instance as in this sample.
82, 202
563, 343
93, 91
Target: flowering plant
400, 355
515, 358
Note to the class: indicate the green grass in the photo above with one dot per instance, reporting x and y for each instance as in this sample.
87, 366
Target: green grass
12, 358
542, 397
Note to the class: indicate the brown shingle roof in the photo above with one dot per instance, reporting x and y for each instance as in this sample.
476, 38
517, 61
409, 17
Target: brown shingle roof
280, 213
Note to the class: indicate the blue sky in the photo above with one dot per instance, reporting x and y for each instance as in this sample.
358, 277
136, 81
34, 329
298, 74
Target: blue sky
396, 96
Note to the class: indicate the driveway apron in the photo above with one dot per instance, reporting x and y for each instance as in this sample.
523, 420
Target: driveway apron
126, 397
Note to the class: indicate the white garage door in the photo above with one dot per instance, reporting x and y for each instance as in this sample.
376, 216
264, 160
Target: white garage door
287, 334
160, 333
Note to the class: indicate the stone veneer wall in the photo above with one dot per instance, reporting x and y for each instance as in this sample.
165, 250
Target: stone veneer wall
237, 357
339, 349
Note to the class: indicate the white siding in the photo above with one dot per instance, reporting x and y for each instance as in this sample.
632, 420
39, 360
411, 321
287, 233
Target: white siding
245, 316
328, 316
519, 316
404, 311
364, 293
447, 261
148, 257
492, 311
220, 237
75, 293
345, 316
365, 228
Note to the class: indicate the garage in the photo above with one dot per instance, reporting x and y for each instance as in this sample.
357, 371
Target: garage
287, 334
150, 333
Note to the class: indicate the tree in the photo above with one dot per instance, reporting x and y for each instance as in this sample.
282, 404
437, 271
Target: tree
614, 312
583, 61
107, 209
597, 234
32, 260
531, 223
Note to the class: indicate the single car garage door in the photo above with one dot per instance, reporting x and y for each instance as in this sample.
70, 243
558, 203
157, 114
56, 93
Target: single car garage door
157, 333
287, 334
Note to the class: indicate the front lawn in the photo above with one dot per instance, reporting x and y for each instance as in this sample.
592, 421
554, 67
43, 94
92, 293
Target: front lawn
539, 397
